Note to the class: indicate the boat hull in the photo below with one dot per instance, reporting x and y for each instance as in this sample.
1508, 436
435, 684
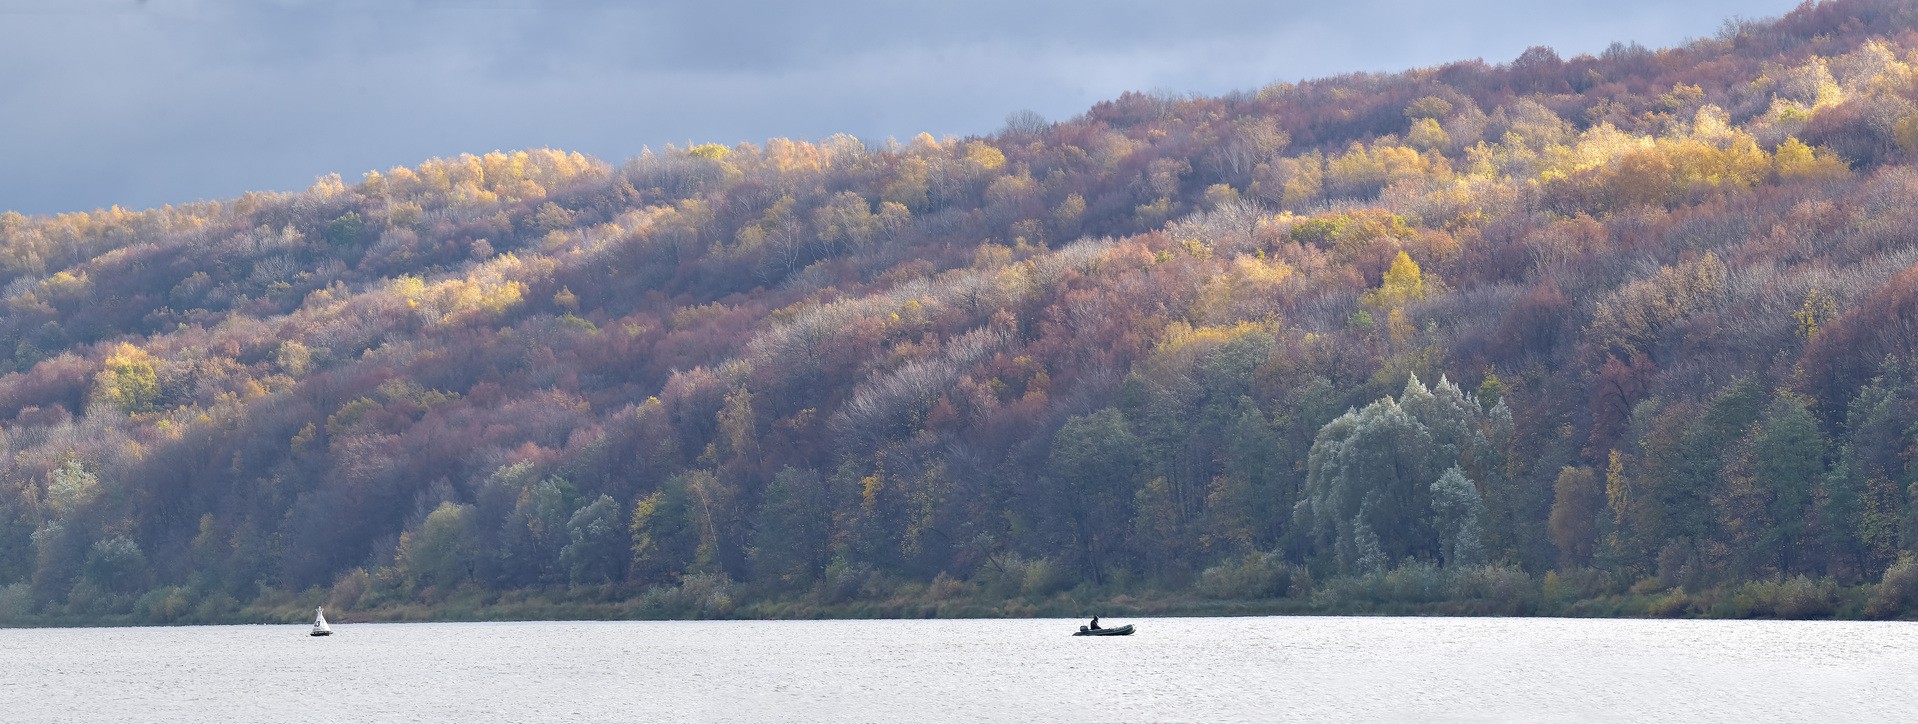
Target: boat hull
1125, 630
322, 633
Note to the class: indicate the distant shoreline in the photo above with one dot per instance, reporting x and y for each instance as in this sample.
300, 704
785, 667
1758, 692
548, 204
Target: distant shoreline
1792, 599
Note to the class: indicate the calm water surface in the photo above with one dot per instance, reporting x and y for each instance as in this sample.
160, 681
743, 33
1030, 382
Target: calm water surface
1173, 669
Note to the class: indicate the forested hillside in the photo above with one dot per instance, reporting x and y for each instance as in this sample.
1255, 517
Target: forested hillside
1635, 333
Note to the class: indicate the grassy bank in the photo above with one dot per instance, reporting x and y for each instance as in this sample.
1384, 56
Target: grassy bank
1245, 591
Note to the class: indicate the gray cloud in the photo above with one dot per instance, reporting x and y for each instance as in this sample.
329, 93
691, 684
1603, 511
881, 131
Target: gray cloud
166, 101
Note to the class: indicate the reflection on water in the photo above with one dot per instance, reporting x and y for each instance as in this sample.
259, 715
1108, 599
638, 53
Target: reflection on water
1182, 669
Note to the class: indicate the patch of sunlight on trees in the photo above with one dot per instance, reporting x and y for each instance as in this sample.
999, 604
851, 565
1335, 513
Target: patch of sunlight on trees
488, 291
127, 380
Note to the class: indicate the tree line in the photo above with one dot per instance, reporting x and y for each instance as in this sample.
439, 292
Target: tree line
1616, 333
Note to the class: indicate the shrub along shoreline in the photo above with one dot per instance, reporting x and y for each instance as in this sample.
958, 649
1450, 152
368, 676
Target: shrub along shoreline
1255, 586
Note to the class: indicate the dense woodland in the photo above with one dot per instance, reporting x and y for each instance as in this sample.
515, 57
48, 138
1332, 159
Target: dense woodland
1635, 333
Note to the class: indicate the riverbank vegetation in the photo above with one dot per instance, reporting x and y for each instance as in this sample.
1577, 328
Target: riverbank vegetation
1626, 334
1253, 587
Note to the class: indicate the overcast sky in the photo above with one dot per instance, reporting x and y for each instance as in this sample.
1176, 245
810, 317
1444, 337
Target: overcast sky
149, 102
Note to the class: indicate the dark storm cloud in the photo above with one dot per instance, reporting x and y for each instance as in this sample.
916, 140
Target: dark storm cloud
164, 101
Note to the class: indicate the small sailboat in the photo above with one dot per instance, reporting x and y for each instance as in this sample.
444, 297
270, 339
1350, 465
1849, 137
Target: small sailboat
319, 623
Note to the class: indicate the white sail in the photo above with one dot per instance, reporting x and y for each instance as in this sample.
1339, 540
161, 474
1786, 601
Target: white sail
319, 621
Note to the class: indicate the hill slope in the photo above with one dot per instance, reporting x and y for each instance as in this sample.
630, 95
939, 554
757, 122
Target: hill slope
1631, 333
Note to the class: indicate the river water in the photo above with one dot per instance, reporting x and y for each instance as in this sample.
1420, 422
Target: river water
1173, 669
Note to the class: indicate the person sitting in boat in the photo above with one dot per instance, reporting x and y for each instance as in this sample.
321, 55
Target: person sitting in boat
1095, 623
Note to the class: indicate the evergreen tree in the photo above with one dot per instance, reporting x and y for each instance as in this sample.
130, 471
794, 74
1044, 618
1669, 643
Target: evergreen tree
1459, 513
1790, 455
595, 551
1095, 461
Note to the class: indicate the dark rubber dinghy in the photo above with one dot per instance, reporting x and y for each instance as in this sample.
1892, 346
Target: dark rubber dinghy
1125, 630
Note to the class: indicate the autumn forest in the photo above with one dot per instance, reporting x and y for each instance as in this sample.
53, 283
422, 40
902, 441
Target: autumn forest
1633, 334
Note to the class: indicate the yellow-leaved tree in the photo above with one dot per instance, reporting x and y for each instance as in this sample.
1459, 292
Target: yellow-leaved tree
1403, 283
127, 380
